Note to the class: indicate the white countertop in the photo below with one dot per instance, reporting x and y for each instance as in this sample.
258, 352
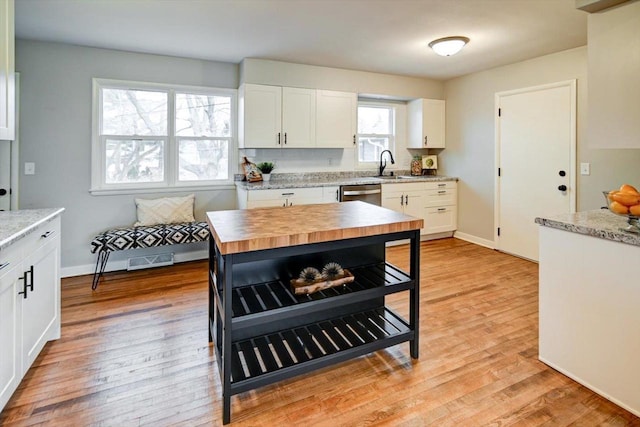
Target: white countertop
14, 225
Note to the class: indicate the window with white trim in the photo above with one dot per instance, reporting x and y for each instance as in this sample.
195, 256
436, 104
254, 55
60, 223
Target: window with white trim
148, 136
376, 131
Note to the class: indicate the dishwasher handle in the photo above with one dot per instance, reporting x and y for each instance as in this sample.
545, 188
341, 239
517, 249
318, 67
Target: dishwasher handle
360, 192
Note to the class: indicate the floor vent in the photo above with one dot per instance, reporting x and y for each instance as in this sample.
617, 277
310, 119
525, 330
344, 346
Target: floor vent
149, 261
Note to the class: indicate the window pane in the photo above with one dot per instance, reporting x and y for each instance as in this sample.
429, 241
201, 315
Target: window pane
134, 161
203, 160
134, 112
375, 120
369, 148
203, 115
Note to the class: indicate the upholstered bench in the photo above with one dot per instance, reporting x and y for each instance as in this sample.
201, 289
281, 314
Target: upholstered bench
122, 239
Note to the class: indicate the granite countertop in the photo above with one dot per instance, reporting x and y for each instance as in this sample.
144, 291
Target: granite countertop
248, 230
598, 223
14, 225
319, 179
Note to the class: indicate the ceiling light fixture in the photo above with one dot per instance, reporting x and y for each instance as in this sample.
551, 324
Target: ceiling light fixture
448, 46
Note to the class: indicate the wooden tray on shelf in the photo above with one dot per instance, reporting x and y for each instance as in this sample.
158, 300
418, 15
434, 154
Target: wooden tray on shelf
302, 287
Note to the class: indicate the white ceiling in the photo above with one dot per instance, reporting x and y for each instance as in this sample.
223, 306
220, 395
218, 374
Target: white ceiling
387, 36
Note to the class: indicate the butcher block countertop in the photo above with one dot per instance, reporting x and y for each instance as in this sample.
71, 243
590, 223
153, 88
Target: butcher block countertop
246, 230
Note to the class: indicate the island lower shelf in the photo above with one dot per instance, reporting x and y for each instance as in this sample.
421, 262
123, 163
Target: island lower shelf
283, 354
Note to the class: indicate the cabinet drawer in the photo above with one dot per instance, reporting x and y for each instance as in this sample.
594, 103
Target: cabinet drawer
307, 193
441, 185
441, 197
438, 220
41, 235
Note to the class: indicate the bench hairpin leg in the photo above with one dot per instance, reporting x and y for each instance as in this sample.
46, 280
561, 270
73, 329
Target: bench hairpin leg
101, 264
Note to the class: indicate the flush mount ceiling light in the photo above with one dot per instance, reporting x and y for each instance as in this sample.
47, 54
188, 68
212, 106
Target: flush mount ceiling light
448, 46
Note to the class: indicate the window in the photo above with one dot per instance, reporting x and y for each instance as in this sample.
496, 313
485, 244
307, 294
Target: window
149, 136
376, 131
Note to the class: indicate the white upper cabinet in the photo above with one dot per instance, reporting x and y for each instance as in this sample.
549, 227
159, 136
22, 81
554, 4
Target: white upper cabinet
287, 117
426, 123
274, 117
260, 116
7, 71
298, 117
336, 119
614, 67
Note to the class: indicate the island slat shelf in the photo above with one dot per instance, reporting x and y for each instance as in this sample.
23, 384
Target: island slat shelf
263, 333
283, 354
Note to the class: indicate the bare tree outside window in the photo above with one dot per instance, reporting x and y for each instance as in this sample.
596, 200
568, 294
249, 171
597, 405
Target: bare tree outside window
138, 143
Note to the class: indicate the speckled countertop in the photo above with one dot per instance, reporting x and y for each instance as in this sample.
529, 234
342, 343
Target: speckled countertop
321, 179
14, 225
599, 223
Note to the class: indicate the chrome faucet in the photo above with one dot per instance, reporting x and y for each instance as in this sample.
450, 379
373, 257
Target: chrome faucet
382, 166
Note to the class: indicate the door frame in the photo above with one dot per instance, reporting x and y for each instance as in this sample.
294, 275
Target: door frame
571, 84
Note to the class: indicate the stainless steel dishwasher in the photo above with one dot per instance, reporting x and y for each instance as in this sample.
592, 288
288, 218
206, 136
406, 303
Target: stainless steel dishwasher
370, 193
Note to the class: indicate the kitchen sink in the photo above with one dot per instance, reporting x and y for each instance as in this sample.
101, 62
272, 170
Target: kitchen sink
393, 177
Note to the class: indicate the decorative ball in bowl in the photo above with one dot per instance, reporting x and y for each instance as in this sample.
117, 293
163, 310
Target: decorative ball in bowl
625, 202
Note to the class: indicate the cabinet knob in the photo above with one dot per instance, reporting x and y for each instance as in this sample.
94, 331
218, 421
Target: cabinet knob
354, 139
285, 138
47, 234
278, 138
425, 140
401, 200
406, 200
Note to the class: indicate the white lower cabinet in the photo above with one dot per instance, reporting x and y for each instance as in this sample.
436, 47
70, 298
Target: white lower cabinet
441, 207
406, 198
29, 302
434, 202
10, 272
284, 197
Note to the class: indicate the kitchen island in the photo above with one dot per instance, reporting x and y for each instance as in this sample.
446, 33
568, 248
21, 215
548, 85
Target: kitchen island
590, 303
263, 332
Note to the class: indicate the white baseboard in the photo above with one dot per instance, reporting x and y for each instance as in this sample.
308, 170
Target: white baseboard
116, 265
474, 239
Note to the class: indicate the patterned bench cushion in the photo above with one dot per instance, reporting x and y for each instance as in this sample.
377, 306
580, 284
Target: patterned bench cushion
121, 239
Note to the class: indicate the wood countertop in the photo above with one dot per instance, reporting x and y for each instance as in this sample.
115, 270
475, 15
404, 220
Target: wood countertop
248, 230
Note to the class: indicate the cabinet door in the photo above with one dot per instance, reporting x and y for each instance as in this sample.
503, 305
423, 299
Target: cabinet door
298, 117
439, 220
393, 200
426, 123
7, 72
330, 194
10, 285
414, 203
260, 118
336, 119
40, 314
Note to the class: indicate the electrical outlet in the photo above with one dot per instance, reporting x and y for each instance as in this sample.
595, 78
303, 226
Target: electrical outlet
29, 168
585, 168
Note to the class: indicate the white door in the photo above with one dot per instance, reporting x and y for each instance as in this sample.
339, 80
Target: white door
535, 138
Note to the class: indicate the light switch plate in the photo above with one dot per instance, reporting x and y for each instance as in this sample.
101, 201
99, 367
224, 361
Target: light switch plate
29, 168
585, 168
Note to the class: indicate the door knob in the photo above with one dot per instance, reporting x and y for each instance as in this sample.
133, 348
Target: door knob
562, 187
3, 191
562, 173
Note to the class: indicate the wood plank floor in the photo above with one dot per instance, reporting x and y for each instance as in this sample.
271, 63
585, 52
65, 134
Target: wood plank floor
135, 352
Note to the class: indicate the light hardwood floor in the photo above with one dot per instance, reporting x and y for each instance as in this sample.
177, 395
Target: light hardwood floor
135, 352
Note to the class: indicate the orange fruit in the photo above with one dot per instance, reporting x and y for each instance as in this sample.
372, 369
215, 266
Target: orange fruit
619, 208
626, 188
635, 210
627, 199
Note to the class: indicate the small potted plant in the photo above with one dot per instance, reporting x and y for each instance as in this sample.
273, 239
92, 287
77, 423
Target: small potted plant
265, 169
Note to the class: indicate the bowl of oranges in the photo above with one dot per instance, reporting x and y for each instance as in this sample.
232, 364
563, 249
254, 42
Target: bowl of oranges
625, 202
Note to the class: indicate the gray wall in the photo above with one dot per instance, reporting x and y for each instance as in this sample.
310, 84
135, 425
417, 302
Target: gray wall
470, 152
55, 133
